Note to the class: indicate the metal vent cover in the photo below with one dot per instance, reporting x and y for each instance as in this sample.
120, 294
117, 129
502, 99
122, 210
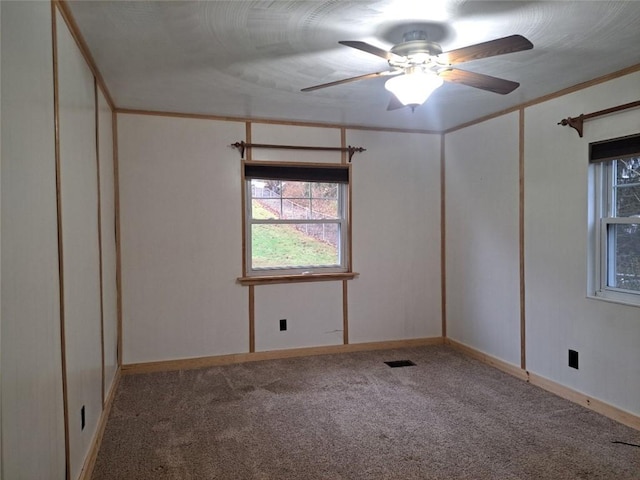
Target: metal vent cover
400, 363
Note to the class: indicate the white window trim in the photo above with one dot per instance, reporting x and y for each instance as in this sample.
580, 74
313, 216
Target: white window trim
342, 222
598, 285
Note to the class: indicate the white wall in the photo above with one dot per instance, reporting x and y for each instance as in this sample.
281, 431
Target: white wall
274, 134
396, 237
313, 319
80, 243
33, 430
559, 316
482, 269
180, 213
108, 244
32, 407
482, 245
182, 251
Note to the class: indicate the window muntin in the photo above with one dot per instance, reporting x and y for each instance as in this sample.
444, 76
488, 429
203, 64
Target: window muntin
295, 226
619, 229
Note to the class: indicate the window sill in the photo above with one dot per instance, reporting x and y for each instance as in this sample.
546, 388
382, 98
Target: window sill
615, 297
300, 278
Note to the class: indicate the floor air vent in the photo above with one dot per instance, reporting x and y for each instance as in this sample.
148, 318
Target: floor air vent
400, 363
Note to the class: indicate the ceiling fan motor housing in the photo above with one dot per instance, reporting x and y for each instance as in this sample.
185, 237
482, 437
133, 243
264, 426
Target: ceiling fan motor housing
415, 51
415, 47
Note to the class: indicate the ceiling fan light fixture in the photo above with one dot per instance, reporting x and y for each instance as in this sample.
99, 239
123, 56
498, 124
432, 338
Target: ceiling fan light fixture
413, 88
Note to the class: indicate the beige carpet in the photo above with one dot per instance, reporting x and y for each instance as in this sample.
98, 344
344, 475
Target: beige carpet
350, 416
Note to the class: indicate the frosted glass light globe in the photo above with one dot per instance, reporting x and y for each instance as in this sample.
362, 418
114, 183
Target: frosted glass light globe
414, 88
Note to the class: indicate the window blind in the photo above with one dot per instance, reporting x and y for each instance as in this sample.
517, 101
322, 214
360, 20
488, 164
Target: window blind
624, 147
298, 173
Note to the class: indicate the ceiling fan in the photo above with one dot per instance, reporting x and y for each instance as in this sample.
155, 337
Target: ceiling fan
419, 66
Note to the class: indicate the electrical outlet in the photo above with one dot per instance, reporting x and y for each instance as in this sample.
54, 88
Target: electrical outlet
573, 359
283, 324
82, 418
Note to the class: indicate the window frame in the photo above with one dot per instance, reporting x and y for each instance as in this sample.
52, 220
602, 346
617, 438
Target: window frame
603, 197
342, 270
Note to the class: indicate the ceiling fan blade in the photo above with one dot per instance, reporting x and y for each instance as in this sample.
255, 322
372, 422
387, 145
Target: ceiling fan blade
352, 79
365, 47
500, 46
479, 80
394, 103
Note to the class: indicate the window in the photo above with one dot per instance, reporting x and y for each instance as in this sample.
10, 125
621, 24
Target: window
296, 219
617, 222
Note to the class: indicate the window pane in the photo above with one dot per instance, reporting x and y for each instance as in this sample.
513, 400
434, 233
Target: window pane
266, 200
265, 188
296, 189
300, 245
296, 208
624, 257
627, 200
324, 208
324, 190
265, 209
628, 171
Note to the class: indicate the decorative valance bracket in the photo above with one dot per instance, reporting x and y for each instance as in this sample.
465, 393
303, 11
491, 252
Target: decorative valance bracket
577, 123
242, 146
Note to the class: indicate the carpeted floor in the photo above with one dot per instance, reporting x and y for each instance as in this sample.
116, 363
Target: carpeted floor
350, 416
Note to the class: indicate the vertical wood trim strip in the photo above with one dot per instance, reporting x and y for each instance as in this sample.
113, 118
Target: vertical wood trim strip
243, 201
243, 228
252, 322
349, 220
345, 288
345, 312
523, 344
97, 127
116, 201
247, 152
63, 349
443, 239
245, 260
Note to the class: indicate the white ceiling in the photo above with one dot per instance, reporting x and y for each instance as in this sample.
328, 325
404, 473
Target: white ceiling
251, 58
